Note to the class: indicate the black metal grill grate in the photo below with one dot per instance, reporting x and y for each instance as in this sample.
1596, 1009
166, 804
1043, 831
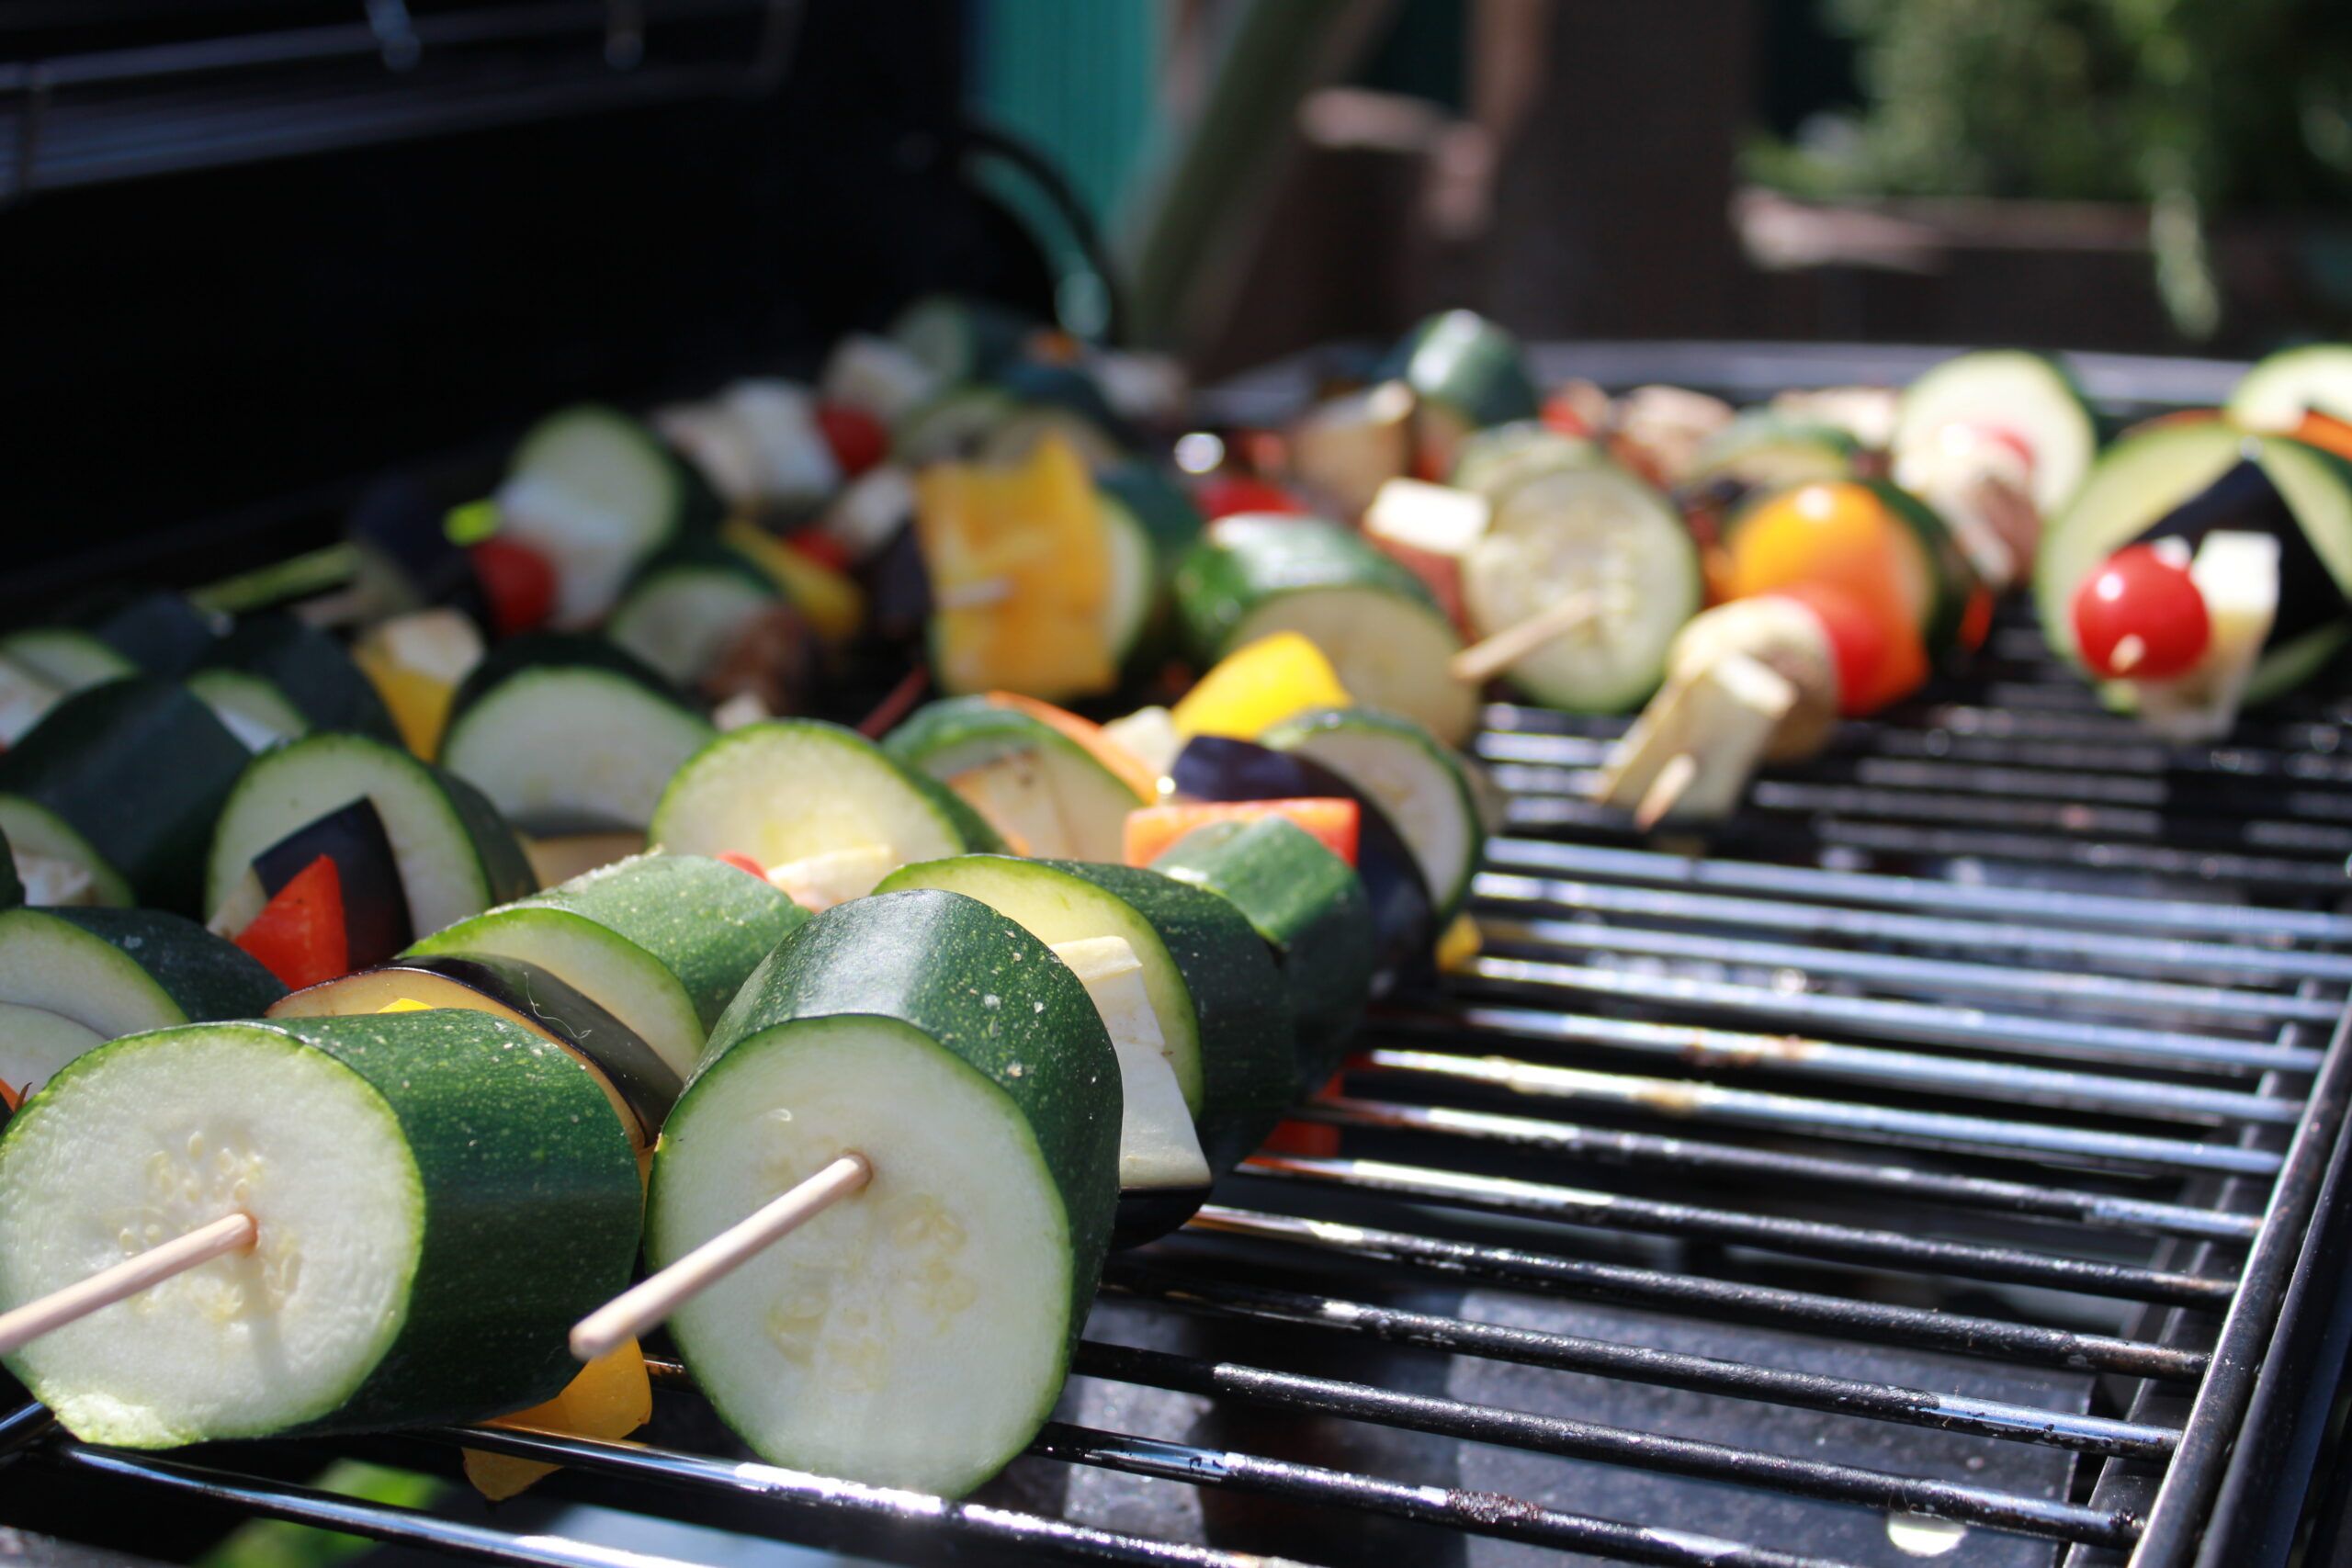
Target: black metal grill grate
1935, 1147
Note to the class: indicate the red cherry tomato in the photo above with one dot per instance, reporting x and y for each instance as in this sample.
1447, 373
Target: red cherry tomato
1858, 643
856, 437
815, 545
1223, 495
2141, 615
517, 581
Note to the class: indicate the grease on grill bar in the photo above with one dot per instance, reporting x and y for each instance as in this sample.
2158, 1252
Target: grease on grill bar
1610, 1263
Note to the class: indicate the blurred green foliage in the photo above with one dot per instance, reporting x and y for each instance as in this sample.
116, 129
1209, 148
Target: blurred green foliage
2196, 106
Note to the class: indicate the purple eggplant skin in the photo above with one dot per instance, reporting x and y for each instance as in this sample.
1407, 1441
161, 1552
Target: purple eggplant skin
1404, 917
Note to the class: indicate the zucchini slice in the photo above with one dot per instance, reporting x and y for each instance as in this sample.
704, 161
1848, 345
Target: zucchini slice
286, 679
122, 781
1588, 529
641, 1086
73, 979
1466, 374
456, 856
662, 942
598, 493
2031, 396
688, 606
2145, 479
1212, 986
567, 733
793, 789
916, 1334
1254, 576
1150, 522
1421, 785
439, 1197
2279, 390
1041, 791
1310, 908
959, 339
1762, 449
116, 632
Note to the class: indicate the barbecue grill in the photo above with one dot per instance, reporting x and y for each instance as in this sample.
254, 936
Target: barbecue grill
1943, 1161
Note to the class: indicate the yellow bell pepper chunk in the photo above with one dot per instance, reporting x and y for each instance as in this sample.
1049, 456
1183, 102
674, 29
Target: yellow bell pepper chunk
611, 1398
833, 602
1257, 686
1020, 566
404, 1004
1459, 944
417, 663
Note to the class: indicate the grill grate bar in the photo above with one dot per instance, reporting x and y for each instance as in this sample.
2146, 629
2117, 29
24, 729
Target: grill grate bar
1797, 1057
1916, 1022
2325, 878
1685, 1100
1640, 1150
1804, 1238
377, 1521
1546, 794
1959, 1333
1913, 973
1481, 1513
1571, 1439
1705, 1374
2036, 942
1875, 889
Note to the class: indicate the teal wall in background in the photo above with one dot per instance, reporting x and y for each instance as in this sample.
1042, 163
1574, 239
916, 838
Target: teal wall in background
1079, 80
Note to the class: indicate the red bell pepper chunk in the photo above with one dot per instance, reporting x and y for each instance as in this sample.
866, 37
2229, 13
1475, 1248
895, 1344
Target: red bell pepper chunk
856, 437
1152, 829
517, 581
741, 862
299, 936
815, 545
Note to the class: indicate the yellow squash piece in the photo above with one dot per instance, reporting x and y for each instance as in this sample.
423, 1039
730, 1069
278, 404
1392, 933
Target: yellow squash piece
611, 1398
1259, 685
1019, 568
417, 663
834, 604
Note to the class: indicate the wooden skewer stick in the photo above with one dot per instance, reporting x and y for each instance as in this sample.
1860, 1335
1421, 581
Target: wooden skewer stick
1481, 662
644, 1305
229, 1233
1681, 771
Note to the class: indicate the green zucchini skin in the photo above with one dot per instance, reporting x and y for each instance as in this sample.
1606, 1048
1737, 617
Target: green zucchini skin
12, 886
503, 860
1247, 1051
1244, 561
1465, 363
534, 649
139, 768
1170, 517
708, 923
531, 1210
209, 976
928, 957
158, 630
311, 669
1309, 908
